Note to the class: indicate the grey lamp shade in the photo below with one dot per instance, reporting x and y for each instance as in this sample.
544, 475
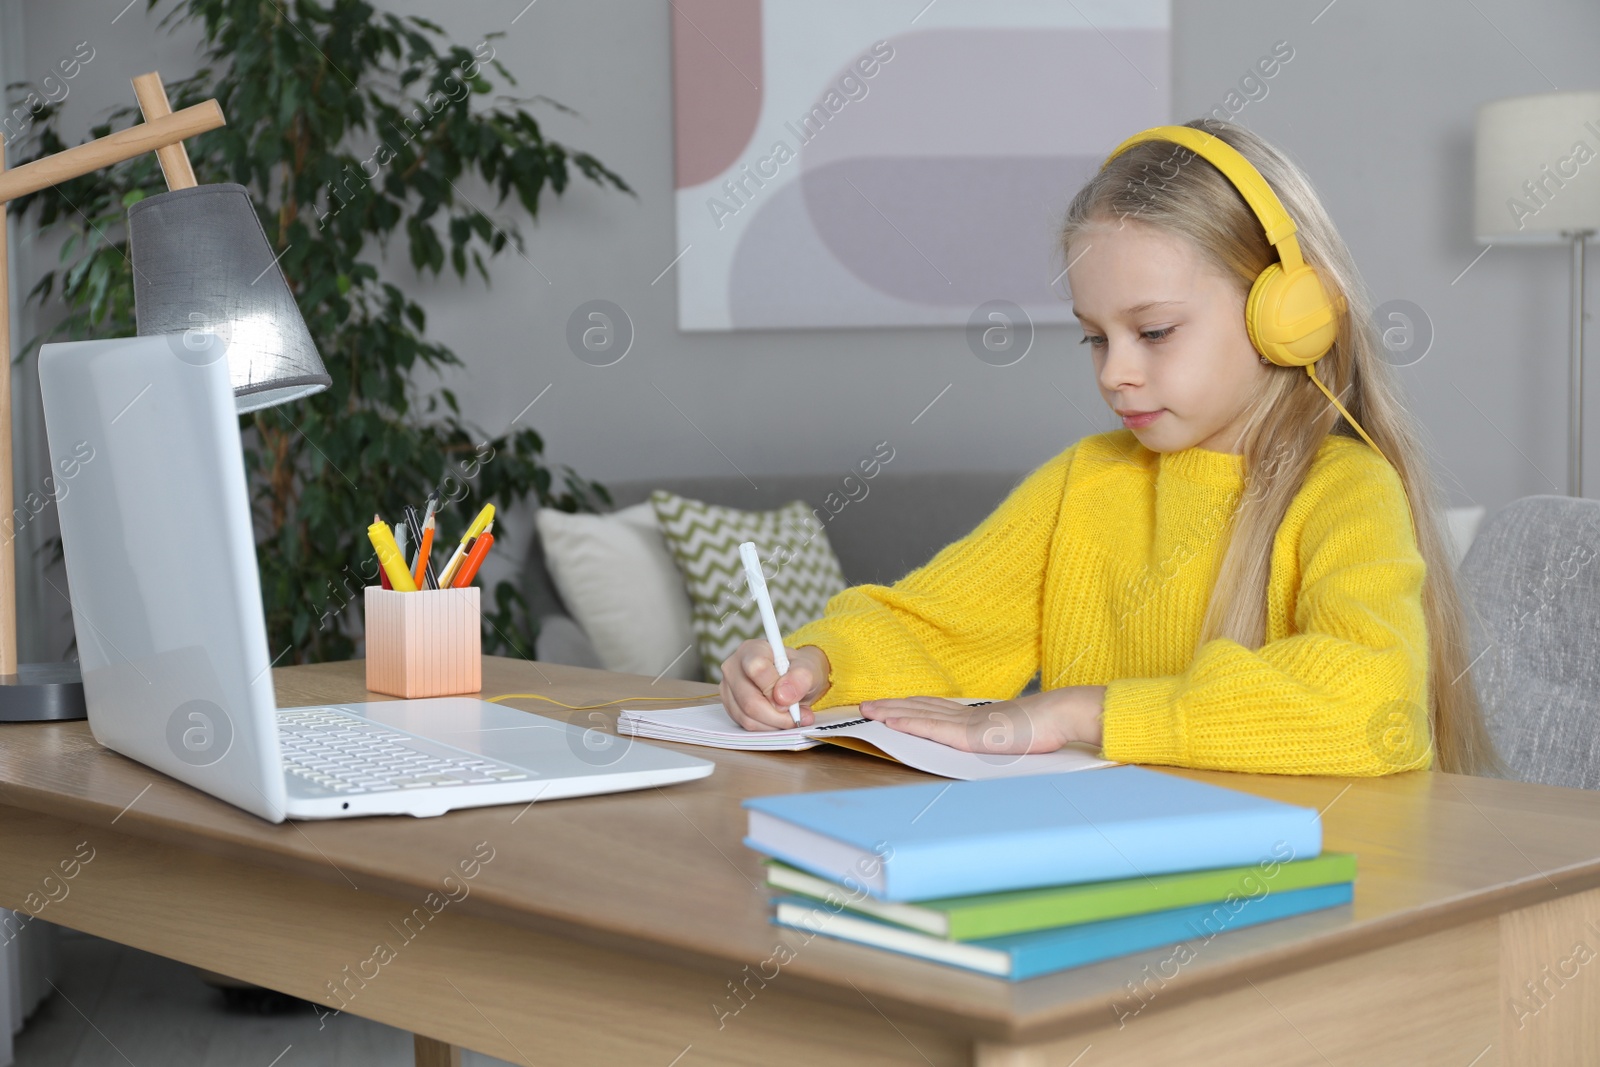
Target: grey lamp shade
1537, 170
202, 262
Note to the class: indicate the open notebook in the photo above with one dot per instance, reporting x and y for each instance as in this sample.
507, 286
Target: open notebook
709, 724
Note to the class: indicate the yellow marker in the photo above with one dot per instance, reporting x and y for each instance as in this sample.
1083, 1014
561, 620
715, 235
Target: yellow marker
485, 517
389, 557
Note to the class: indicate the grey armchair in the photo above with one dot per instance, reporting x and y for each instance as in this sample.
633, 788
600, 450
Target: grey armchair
1533, 575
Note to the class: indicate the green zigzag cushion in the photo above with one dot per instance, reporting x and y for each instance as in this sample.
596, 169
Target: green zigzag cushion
801, 569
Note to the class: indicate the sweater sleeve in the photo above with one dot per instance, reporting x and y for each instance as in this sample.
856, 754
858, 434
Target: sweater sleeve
965, 624
1345, 693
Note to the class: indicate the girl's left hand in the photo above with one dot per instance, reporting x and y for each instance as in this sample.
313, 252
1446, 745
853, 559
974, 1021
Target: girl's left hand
1038, 722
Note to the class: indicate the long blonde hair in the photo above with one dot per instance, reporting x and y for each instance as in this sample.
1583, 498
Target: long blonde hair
1289, 418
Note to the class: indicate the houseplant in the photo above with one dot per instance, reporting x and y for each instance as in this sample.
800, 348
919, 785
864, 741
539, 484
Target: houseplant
348, 126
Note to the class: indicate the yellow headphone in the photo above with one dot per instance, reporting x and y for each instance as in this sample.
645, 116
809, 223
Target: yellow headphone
1288, 315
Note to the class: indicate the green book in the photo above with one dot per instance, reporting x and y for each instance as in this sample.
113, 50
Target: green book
1018, 911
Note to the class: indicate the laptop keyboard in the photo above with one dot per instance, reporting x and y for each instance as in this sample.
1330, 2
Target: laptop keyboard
347, 754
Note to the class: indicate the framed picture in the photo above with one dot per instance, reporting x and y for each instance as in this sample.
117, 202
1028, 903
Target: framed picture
846, 164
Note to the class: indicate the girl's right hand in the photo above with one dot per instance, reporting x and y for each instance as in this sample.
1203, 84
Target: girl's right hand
748, 678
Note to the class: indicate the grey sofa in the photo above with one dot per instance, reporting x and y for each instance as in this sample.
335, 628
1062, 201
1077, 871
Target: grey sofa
896, 523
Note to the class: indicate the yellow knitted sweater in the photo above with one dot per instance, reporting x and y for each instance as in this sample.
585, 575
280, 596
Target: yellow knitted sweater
1096, 570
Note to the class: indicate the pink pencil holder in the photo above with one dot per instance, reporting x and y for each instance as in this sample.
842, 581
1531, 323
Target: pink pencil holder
424, 644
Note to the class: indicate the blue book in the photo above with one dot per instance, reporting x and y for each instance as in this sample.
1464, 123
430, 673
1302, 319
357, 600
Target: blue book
949, 839
1019, 956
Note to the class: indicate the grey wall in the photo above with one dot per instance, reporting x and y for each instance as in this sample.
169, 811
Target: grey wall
1377, 104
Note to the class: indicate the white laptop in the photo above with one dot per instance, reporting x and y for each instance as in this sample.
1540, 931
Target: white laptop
166, 598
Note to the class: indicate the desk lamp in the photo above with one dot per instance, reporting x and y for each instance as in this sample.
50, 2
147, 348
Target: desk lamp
201, 261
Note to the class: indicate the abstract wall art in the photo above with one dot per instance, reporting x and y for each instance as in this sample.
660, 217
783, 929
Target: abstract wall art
848, 163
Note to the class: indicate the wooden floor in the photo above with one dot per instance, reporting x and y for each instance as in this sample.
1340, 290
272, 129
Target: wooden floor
118, 1006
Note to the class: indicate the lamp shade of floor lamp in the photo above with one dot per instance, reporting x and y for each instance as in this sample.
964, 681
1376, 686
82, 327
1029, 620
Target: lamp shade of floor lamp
1537, 181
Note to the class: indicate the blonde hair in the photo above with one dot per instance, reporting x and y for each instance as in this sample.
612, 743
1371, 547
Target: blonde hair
1289, 418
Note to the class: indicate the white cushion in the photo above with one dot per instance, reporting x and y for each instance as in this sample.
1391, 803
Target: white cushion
619, 581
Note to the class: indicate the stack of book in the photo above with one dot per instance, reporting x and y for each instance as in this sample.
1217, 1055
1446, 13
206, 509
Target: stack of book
1019, 877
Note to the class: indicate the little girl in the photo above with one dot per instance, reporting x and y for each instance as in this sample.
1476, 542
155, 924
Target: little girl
1242, 578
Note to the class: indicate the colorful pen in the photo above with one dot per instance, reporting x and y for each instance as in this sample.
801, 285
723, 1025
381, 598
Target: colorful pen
447, 576
413, 536
469, 569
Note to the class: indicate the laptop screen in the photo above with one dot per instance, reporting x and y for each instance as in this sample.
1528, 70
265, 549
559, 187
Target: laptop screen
160, 556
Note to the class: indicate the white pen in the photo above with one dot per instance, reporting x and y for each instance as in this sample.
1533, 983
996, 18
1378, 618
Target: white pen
769, 621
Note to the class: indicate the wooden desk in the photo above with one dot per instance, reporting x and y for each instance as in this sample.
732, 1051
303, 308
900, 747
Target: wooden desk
633, 928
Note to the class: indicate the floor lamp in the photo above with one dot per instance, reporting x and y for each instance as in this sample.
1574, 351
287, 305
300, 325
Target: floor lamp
1537, 181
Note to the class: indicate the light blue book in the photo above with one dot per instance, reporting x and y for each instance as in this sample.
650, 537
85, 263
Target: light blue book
948, 839
1019, 956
